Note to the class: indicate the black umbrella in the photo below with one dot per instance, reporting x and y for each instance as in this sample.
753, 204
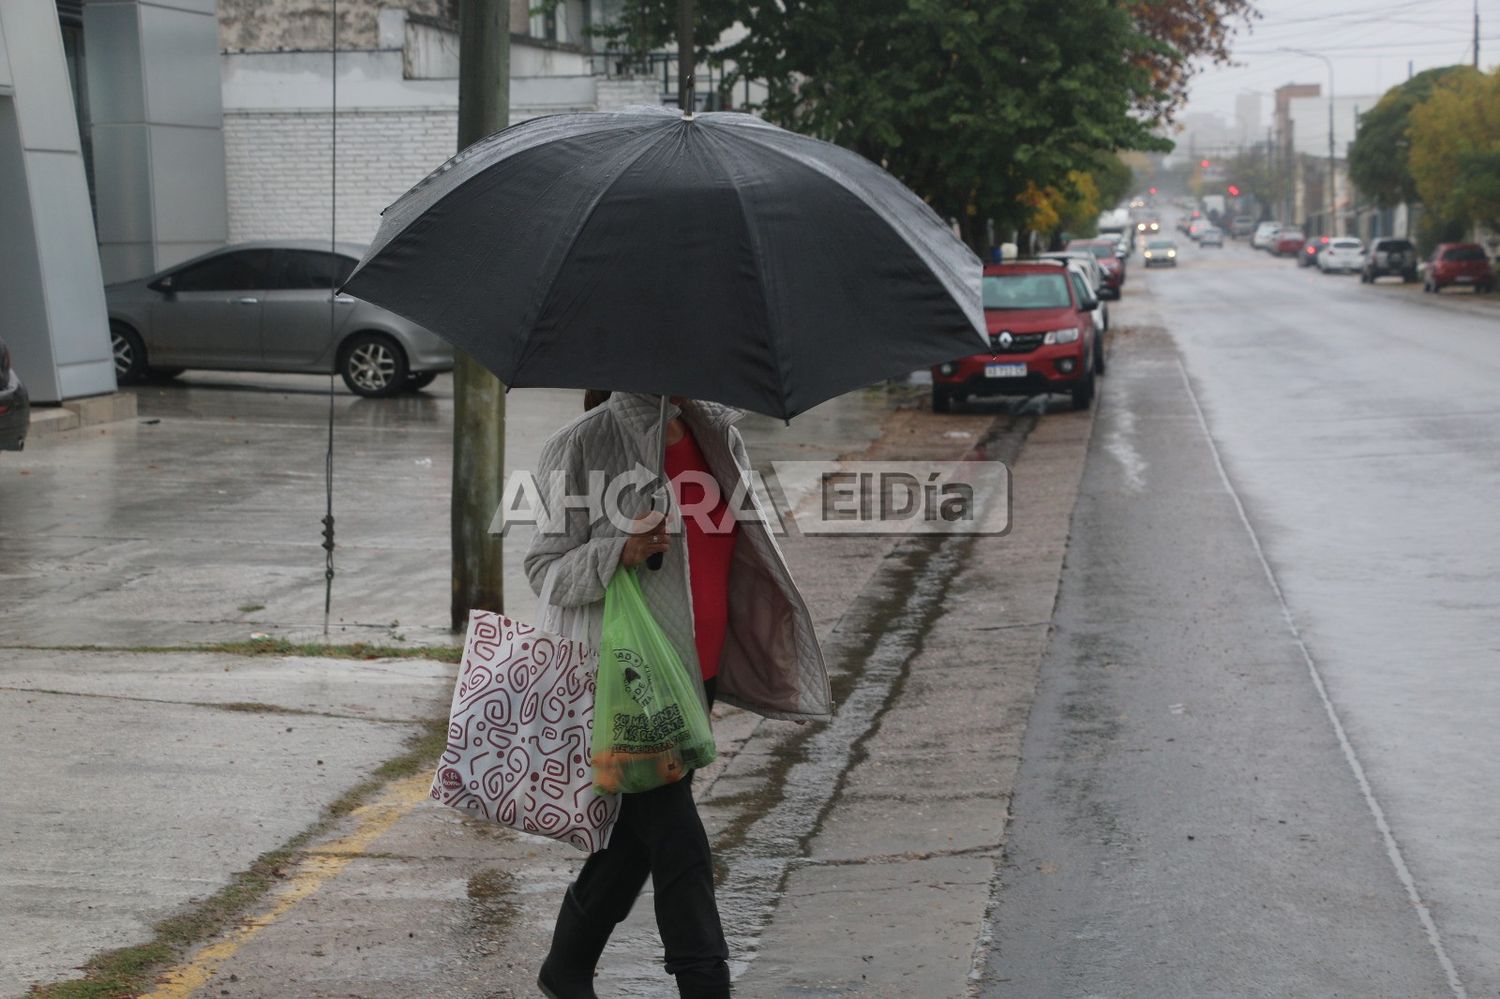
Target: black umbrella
713, 256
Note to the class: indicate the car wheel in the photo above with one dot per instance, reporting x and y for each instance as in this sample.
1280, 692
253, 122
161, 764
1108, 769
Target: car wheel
373, 365
1408, 277
942, 401
1083, 395
421, 379
1099, 364
130, 354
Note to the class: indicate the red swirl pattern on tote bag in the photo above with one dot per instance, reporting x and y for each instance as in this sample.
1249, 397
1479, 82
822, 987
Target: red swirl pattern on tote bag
518, 734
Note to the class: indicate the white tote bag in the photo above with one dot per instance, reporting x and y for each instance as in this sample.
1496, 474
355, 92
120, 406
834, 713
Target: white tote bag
518, 731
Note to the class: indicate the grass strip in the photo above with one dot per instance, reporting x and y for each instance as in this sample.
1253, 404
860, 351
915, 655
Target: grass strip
129, 971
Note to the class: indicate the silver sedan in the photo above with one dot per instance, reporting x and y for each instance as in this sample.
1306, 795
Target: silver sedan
268, 307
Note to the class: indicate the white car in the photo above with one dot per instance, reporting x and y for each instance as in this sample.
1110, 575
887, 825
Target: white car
1083, 264
1344, 254
1264, 234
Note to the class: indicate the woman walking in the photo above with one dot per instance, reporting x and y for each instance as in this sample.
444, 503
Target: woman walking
726, 600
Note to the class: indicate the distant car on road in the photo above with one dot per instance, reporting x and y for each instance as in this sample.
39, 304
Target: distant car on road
1287, 242
1041, 339
1343, 254
266, 307
1109, 261
1211, 236
15, 405
1160, 253
1462, 264
1264, 233
1242, 226
1146, 227
1389, 256
1308, 257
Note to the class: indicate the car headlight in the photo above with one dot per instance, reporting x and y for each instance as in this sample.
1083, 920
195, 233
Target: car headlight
946, 369
1061, 336
1148, 254
1171, 253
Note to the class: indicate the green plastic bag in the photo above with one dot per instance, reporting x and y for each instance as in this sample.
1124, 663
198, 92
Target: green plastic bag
650, 728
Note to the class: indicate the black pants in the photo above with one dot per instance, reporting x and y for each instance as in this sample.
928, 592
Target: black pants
659, 833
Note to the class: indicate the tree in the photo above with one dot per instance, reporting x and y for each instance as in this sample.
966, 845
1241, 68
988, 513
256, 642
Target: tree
1182, 34
1455, 149
1379, 157
968, 102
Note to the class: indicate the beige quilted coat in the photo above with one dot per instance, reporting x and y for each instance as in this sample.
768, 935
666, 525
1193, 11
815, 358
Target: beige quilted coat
771, 663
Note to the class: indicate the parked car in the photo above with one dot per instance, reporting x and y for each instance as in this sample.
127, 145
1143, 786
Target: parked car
1343, 254
265, 307
1109, 261
1197, 227
15, 405
1211, 236
1287, 242
1041, 339
1310, 250
1389, 256
1160, 253
1264, 233
1242, 226
1462, 264
1084, 259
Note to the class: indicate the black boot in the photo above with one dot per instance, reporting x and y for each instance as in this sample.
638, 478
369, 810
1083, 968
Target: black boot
577, 942
700, 985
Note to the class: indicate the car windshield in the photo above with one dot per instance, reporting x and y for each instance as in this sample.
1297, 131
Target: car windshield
1161, 244
1290, 234
1100, 250
1026, 291
1464, 253
1395, 245
1344, 244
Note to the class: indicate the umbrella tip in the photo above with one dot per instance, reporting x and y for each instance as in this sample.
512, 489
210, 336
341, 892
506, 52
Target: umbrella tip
688, 116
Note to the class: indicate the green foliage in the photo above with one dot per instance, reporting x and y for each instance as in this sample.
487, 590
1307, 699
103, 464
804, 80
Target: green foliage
1455, 149
1379, 157
966, 102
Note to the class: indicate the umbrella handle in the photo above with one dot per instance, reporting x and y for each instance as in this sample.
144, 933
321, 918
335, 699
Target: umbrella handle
655, 561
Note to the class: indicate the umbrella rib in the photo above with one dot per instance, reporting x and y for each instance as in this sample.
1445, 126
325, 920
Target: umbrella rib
760, 275
538, 303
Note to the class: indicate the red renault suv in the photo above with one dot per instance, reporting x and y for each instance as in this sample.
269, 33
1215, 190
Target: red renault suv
1459, 264
1041, 338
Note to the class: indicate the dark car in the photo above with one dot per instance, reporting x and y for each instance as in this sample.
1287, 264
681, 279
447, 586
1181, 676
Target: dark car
15, 405
1105, 252
1390, 256
268, 307
1310, 250
1462, 264
1041, 339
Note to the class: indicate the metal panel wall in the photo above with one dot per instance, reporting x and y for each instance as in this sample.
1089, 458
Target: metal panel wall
51, 294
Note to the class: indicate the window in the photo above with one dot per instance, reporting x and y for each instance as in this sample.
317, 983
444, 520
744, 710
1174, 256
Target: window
1080, 289
1027, 291
1464, 253
244, 270
312, 269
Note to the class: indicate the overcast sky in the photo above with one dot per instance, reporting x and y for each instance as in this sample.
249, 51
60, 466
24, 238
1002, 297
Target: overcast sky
1368, 41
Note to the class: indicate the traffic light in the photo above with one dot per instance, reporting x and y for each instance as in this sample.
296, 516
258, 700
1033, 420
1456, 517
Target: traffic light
1153, 190
1234, 191
1204, 164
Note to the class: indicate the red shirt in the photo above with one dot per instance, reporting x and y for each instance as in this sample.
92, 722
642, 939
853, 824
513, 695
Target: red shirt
709, 549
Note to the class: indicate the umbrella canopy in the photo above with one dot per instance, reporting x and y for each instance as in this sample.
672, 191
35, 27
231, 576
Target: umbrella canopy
713, 256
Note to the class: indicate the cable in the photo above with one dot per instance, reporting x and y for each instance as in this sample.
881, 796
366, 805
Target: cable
333, 259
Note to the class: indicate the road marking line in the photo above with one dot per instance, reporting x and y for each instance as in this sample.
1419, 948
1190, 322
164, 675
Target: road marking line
1392, 848
314, 871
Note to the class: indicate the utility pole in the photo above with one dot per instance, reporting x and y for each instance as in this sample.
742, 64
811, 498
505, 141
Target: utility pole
478, 396
687, 56
1476, 34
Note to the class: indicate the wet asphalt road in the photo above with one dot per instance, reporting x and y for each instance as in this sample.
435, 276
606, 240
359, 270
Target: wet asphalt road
1262, 759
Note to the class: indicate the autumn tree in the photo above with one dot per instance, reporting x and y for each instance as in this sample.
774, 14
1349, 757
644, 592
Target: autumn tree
1455, 150
974, 104
1379, 156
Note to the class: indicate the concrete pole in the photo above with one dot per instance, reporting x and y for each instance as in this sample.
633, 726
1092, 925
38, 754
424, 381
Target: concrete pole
478, 396
687, 56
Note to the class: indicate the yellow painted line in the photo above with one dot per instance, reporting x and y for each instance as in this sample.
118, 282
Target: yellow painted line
370, 821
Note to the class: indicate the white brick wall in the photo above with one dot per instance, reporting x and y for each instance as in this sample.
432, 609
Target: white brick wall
278, 171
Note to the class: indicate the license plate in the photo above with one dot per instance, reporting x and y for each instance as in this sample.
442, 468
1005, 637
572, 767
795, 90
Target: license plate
1465, 279
1017, 370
